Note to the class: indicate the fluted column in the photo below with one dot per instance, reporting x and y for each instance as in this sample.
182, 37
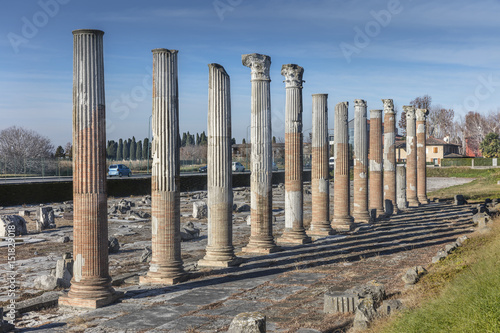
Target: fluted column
342, 220
294, 225
220, 250
389, 152
376, 176
421, 125
401, 190
261, 215
360, 211
411, 157
166, 263
320, 188
91, 283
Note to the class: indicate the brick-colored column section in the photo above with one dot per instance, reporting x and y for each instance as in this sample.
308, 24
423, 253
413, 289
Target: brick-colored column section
360, 209
294, 225
411, 157
421, 116
166, 263
320, 188
376, 175
401, 190
261, 215
389, 152
342, 220
220, 250
91, 283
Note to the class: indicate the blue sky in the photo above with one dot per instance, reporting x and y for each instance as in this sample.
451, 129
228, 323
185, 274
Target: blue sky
449, 49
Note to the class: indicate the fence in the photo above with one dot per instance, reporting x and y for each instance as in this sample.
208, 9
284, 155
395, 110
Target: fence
35, 167
470, 162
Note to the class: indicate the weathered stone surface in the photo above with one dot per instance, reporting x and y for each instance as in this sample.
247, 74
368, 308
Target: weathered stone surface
389, 152
360, 196
248, 322
413, 275
64, 239
438, 257
46, 217
12, 223
364, 314
343, 302
459, 200
24, 212
461, 240
372, 289
45, 282
146, 255
200, 209
389, 307
113, 245
448, 248
64, 272
242, 207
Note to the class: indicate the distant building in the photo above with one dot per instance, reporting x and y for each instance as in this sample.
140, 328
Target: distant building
436, 150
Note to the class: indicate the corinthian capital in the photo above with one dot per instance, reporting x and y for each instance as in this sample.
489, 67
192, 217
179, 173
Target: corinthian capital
388, 105
293, 75
359, 103
422, 114
259, 64
410, 111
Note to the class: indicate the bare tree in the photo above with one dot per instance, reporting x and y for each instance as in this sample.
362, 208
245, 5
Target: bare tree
440, 122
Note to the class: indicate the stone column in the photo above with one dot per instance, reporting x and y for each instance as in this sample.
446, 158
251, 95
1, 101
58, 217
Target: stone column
91, 283
421, 116
166, 263
320, 188
261, 215
376, 176
342, 220
401, 190
294, 225
220, 250
411, 157
360, 211
389, 152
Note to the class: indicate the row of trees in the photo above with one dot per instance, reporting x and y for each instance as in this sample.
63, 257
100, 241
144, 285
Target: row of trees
128, 149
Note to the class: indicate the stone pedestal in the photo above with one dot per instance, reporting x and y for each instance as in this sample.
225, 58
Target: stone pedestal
342, 220
421, 116
166, 263
411, 157
261, 230
389, 152
294, 232
376, 177
320, 188
360, 211
220, 250
91, 283
401, 190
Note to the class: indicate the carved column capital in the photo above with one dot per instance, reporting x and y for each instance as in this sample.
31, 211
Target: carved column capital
421, 114
388, 106
259, 64
410, 111
359, 103
293, 75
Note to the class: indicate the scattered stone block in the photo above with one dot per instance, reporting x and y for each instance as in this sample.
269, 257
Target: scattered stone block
248, 322
459, 200
189, 232
249, 219
46, 217
390, 306
200, 209
12, 223
461, 240
24, 212
64, 271
371, 289
438, 257
343, 302
46, 282
388, 208
146, 255
364, 314
413, 275
64, 239
242, 208
113, 245
5, 326
450, 247
68, 216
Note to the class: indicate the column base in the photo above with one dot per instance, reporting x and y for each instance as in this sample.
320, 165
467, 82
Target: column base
250, 248
146, 279
90, 303
413, 203
220, 263
363, 217
320, 232
343, 223
380, 212
294, 237
423, 200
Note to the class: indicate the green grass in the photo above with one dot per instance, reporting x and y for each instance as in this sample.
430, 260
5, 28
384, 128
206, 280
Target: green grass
460, 294
461, 172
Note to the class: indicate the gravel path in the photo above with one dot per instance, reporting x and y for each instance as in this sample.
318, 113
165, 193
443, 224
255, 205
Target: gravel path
437, 183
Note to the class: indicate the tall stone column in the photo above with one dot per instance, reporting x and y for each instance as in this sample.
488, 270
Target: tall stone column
220, 250
376, 177
401, 190
320, 188
294, 225
421, 125
91, 283
342, 220
166, 263
389, 152
411, 157
360, 211
261, 215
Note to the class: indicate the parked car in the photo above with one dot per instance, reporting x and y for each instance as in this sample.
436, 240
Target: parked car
119, 170
331, 162
275, 167
238, 167
203, 169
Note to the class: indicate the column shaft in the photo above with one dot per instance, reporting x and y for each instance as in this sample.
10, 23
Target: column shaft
401, 190
261, 230
411, 157
294, 228
389, 152
376, 175
360, 211
91, 283
320, 188
342, 220
421, 115
166, 263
